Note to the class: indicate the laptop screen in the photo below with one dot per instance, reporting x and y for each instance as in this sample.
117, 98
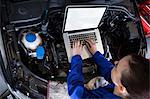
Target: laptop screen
79, 18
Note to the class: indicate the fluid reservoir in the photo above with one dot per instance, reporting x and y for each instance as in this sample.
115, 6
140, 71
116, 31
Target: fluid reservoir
40, 52
31, 40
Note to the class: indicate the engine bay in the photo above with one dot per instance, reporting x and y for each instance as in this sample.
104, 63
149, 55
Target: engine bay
31, 66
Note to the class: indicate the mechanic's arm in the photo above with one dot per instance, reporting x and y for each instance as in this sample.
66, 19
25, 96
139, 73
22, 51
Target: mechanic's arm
104, 66
75, 79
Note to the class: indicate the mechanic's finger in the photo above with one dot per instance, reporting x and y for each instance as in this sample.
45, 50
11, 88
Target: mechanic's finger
73, 44
87, 43
78, 43
91, 41
81, 44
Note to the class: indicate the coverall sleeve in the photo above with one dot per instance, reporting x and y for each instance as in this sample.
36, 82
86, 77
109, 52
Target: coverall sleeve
104, 66
75, 79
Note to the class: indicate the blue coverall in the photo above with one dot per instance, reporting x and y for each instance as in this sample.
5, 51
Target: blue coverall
75, 79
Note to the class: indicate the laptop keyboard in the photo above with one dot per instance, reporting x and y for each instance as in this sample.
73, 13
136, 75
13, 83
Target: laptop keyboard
82, 38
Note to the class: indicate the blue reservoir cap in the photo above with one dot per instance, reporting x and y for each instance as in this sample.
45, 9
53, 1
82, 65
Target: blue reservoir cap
40, 52
30, 37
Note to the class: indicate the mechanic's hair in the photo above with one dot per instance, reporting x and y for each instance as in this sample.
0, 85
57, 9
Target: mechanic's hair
136, 79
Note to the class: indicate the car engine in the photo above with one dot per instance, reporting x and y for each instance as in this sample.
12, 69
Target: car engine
32, 62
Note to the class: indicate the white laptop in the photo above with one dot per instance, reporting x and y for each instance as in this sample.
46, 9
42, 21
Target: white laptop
81, 23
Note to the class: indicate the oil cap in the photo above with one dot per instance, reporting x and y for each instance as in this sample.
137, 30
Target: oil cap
30, 37
40, 52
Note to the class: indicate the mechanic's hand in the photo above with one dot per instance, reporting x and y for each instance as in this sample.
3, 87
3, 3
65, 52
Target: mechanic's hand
91, 46
77, 48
